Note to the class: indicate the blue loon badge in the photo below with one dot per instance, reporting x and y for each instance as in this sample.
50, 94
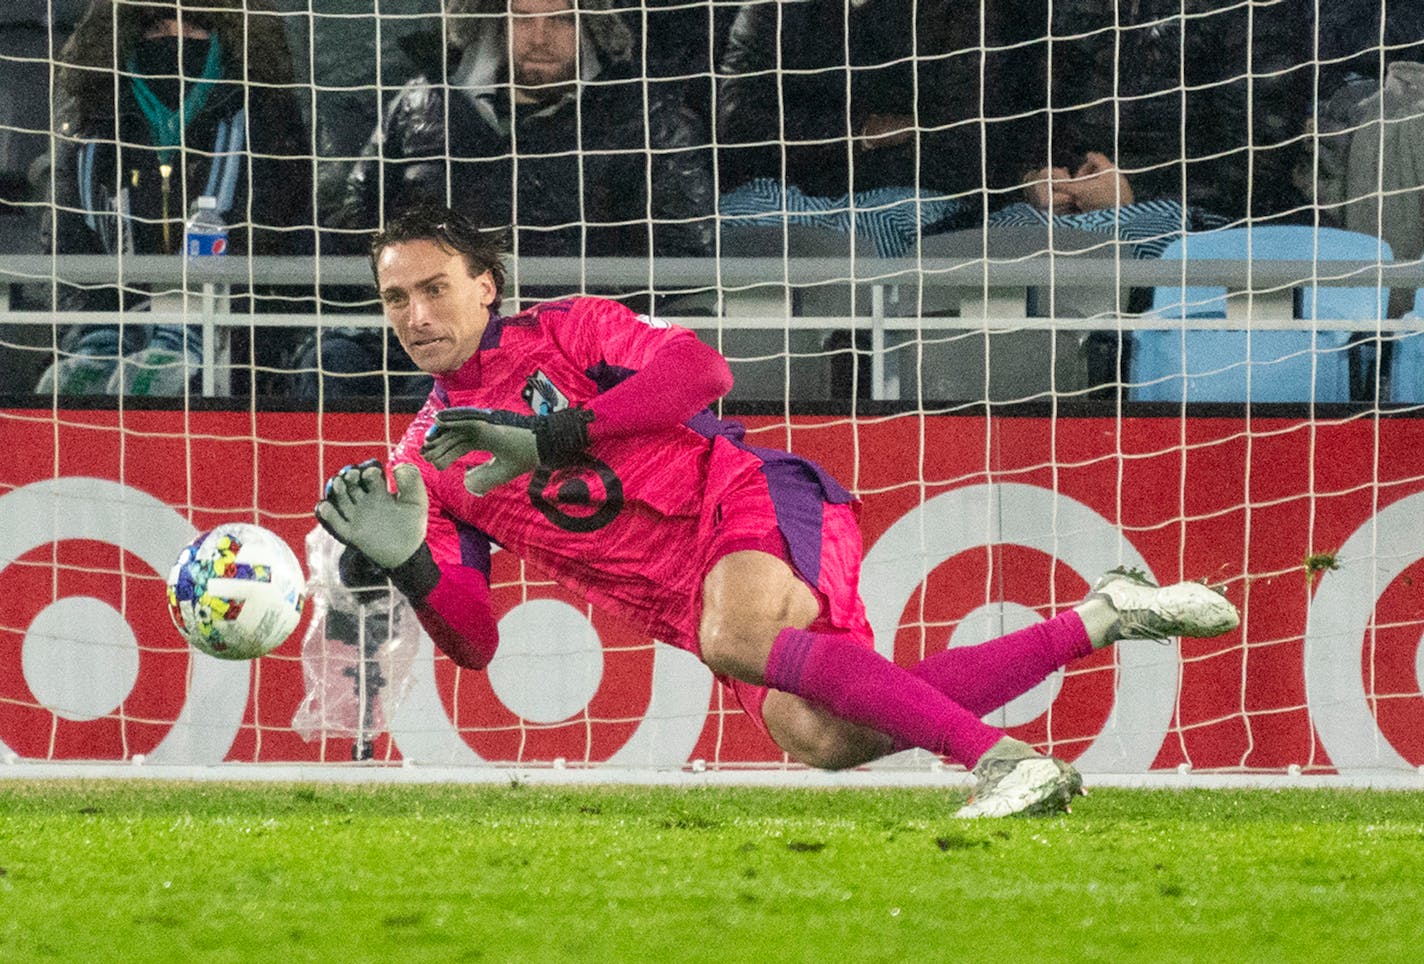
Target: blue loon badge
542, 395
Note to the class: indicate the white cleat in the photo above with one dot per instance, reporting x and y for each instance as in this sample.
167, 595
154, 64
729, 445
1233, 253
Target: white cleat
1030, 786
1148, 611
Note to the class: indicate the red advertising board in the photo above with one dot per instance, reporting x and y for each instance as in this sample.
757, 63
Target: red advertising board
972, 524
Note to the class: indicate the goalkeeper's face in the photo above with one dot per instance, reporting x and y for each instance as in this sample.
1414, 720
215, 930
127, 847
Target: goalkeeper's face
438, 311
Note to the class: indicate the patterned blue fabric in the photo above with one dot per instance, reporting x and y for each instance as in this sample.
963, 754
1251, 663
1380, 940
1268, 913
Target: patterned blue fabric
1149, 226
892, 217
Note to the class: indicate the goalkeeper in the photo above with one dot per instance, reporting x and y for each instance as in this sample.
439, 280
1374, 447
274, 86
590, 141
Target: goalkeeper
577, 435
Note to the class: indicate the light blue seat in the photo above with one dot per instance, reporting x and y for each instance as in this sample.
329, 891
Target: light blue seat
1406, 367
1278, 365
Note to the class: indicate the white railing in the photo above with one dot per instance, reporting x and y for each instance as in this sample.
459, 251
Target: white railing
882, 294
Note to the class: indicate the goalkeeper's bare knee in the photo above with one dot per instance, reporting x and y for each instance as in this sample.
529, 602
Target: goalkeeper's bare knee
748, 598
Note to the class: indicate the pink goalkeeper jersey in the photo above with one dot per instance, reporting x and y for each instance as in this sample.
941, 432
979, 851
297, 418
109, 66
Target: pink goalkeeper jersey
627, 526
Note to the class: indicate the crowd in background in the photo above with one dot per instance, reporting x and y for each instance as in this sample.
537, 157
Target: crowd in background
635, 129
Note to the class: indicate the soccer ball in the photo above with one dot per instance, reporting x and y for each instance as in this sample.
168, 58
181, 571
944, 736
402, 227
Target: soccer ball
236, 592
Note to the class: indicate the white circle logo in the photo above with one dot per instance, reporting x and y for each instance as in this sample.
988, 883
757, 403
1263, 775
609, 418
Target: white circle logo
80, 658
1061, 528
1336, 629
561, 639
63, 641
550, 661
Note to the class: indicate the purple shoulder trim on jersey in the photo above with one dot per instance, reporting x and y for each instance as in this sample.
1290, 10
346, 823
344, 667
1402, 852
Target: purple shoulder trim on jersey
474, 548
606, 376
798, 488
493, 330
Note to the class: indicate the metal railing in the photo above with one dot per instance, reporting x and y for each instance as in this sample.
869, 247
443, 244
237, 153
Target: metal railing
885, 294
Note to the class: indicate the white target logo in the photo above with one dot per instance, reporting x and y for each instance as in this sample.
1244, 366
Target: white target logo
549, 667
79, 656
1059, 527
1337, 627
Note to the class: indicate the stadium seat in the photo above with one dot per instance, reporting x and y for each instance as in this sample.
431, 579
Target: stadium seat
803, 241
1006, 365
758, 356
1262, 364
28, 31
1406, 366
1015, 243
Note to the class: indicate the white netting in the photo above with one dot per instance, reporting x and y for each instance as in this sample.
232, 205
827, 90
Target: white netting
1050, 289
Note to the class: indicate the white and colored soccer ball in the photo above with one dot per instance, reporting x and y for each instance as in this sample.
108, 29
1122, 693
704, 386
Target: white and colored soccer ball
236, 592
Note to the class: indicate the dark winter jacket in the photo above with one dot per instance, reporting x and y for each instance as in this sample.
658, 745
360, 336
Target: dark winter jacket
1117, 86
580, 176
109, 196
918, 59
1352, 38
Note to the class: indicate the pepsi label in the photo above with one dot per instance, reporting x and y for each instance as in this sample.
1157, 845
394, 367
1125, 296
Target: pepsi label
206, 244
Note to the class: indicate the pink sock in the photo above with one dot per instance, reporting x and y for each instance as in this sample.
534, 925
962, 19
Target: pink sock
985, 677
860, 685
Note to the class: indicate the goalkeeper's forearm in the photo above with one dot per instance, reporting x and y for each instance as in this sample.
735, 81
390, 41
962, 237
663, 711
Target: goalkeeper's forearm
680, 380
459, 618
453, 604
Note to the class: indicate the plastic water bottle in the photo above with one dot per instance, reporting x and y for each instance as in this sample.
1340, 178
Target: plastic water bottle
206, 232
205, 237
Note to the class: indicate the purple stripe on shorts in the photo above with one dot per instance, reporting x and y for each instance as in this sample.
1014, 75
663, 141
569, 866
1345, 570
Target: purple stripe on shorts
799, 489
799, 500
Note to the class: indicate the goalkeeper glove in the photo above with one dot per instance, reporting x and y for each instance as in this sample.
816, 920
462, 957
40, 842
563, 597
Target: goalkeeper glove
360, 511
518, 443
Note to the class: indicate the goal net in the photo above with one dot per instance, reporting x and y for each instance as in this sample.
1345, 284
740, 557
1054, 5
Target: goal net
1096, 285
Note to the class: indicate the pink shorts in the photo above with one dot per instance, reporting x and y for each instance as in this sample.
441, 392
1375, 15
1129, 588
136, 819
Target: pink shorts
746, 519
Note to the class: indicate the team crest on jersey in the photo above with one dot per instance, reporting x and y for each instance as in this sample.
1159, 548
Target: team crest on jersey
542, 395
583, 496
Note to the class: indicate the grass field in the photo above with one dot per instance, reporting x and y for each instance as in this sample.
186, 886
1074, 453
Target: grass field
158, 871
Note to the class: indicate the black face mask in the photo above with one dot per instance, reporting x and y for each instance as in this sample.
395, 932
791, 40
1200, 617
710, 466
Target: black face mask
156, 60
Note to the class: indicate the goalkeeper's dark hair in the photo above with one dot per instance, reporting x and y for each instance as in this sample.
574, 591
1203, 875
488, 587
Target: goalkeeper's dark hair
483, 250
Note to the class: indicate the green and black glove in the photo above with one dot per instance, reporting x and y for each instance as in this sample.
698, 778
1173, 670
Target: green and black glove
386, 529
518, 443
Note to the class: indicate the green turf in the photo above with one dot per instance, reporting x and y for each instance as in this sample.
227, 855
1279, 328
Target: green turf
156, 871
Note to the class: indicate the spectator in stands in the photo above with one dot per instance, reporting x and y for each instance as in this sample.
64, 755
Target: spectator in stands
1363, 37
1365, 165
836, 98
549, 130
547, 127
157, 104
683, 43
884, 100
351, 64
346, 66
1154, 115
